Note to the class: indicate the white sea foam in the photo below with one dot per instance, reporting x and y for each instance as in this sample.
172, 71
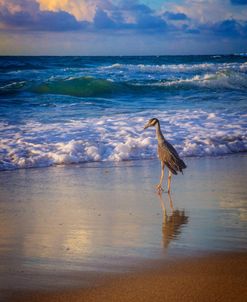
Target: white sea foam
213, 67
13, 85
193, 133
220, 79
211, 75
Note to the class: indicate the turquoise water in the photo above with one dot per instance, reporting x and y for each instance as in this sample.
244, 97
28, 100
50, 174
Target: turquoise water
63, 110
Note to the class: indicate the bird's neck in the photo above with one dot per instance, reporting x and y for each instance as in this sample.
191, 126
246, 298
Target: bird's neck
160, 136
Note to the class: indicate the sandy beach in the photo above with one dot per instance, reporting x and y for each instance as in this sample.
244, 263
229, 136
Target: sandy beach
99, 232
220, 277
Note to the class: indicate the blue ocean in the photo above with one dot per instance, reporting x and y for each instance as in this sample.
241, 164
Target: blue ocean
65, 110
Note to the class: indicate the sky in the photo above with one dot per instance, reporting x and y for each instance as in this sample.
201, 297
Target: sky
122, 27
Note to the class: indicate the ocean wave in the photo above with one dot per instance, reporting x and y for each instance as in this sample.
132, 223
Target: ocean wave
95, 87
193, 133
220, 79
119, 79
79, 86
177, 67
12, 87
19, 66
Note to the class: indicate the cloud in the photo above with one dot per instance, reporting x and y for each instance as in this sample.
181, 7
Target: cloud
81, 9
239, 2
125, 16
139, 17
175, 16
147, 19
26, 14
231, 28
207, 11
102, 20
45, 21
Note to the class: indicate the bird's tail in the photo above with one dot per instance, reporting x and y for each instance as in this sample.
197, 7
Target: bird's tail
176, 164
182, 165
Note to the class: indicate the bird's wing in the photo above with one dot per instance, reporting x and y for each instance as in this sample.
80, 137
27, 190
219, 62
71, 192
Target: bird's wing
170, 157
171, 149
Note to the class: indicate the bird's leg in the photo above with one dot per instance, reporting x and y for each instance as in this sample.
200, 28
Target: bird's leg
162, 203
159, 186
171, 202
169, 182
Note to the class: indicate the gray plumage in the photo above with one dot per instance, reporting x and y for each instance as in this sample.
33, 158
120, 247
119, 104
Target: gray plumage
166, 152
170, 157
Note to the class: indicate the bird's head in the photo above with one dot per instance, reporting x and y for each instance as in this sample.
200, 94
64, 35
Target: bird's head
151, 123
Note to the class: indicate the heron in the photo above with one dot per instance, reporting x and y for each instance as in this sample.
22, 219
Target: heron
167, 155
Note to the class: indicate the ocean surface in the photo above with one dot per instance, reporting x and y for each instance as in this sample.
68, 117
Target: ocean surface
64, 110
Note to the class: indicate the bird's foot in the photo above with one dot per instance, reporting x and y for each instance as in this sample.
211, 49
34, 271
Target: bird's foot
159, 188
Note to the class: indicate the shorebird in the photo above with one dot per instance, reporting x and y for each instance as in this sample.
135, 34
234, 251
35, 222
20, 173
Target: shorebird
167, 155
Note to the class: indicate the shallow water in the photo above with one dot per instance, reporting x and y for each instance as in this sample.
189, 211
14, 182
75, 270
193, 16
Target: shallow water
63, 110
107, 217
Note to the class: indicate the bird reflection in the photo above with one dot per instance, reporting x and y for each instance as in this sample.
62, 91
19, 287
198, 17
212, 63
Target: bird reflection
172, 222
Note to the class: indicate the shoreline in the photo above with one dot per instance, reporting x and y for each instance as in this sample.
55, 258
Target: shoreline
122, 163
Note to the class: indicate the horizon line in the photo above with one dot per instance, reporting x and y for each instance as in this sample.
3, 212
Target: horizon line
134, 55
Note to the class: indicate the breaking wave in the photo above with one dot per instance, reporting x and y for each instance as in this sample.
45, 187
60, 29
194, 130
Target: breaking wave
81, 87
118, 79
95, 87
213, 67
121, 138
220, 79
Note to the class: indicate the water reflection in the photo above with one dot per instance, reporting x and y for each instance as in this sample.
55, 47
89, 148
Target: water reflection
173, 221
235, 201
58, 220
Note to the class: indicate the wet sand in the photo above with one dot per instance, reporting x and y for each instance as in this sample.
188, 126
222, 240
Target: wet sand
220, 277
100, 232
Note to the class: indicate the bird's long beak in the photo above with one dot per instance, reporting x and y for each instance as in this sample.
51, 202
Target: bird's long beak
146, 126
